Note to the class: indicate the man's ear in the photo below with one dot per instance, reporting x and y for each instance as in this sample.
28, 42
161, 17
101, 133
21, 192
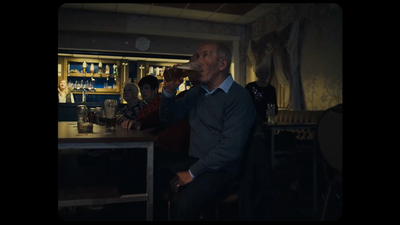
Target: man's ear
222, 64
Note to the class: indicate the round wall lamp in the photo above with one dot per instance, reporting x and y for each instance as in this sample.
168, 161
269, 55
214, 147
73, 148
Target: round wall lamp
142, 44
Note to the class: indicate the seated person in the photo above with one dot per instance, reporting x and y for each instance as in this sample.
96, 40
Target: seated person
132, 109
148, 118
221, 116
64, 93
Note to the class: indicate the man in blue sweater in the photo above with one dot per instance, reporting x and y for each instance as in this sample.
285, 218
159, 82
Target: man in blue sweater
221, 116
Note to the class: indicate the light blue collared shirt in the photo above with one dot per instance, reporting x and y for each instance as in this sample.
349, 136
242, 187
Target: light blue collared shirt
223, 86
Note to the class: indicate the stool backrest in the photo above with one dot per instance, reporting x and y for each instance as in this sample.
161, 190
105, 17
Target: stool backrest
330, 136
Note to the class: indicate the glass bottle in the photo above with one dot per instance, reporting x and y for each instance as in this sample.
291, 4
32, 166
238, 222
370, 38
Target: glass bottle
81, 114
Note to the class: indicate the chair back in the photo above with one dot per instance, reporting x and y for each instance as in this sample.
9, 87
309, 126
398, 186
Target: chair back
329, 133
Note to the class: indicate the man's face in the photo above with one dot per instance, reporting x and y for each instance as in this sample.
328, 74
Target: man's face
208, 59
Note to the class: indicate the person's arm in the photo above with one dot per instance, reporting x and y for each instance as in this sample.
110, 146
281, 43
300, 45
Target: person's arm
121, 115
173, 110
238, 122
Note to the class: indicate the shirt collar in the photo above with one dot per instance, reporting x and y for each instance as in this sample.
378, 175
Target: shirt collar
223, 86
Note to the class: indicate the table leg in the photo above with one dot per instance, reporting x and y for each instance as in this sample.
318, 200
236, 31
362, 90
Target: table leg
314, 172
150, 156
272, 148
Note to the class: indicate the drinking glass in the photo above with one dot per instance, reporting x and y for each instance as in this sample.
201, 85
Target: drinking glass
100, 116
81, 114
180, 71
110, 109
90, 85
91, 116
271, 113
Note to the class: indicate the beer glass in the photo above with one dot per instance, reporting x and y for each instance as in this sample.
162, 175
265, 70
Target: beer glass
100, 116
81, 114
110, 109
91, 115
175, 73
271, 113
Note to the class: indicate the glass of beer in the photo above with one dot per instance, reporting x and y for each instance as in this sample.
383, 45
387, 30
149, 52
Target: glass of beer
110, 109
81, 114
180, 71
271, 113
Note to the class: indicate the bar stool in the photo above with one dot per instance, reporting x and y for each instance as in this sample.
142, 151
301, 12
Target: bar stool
329, 133
230, 197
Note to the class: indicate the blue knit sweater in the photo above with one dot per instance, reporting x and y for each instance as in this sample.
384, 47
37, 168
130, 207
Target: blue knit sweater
220, 125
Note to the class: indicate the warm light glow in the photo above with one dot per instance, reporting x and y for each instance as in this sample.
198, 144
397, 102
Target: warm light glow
232, 70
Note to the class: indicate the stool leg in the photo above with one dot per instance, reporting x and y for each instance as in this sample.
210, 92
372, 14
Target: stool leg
169, 210
326, 202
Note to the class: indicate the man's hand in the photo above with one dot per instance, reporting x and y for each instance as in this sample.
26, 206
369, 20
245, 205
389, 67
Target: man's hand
181, 179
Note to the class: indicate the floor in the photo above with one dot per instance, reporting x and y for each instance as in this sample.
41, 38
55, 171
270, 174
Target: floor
294, 197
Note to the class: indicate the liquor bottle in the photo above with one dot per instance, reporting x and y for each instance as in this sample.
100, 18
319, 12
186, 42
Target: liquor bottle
107, 69
84, 66
114, 70
100, 68
91, 70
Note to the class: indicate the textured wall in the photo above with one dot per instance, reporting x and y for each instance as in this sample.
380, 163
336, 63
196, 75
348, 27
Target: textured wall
321, 67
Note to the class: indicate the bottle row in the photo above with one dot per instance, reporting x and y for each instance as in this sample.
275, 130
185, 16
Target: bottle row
93, 68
